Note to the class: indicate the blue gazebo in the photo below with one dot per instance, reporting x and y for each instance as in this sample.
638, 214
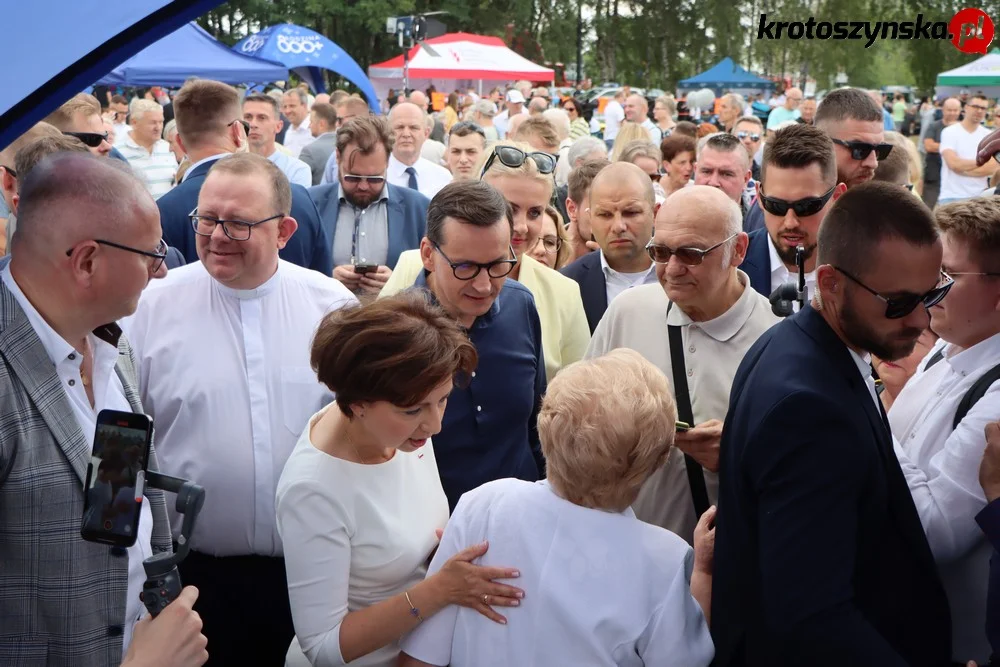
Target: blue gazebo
726, 76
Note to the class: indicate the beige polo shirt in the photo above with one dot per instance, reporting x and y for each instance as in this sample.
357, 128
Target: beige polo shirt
713, 350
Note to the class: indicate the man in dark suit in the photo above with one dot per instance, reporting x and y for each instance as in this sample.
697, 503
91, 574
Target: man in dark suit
989, 521
210, 127
622, 226
798, 186
368, 221
820, 556
323, 125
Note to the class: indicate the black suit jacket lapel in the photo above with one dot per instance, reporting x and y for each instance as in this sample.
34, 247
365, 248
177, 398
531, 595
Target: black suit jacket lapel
594, 291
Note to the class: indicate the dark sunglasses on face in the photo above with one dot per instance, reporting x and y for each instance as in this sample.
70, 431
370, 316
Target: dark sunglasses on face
860, 150
514, 157
803, 208
91, 139
901, 306
743, 135
661, 254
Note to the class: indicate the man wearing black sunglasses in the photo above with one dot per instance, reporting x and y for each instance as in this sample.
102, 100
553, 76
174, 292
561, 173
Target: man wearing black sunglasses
854, 122
80, 117
798, 187
820, 555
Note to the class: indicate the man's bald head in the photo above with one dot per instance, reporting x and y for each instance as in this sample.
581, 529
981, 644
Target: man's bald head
623, 174
406, 108
71, 197
418, 98
709, 205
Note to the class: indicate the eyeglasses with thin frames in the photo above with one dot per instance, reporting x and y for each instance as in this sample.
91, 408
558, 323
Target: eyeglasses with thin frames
550, 244
157, 255
237, 230
661, 254
901, 306
469, 270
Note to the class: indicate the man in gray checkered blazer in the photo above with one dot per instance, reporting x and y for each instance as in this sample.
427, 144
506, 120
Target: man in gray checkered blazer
86, 246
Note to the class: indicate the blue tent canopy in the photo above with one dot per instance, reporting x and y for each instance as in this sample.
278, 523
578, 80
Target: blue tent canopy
69, 45
187, 52
726, 75
306, 52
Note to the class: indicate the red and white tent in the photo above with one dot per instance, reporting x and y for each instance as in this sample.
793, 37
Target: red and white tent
462, 59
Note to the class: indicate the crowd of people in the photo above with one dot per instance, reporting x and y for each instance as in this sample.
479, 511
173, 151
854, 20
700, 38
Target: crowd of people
516, 394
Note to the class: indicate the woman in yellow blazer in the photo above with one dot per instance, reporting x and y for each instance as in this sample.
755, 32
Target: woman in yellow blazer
565, 334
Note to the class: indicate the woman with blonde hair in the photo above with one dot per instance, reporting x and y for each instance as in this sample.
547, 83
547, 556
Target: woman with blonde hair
552, 248
601, 587
525, 178
628, 133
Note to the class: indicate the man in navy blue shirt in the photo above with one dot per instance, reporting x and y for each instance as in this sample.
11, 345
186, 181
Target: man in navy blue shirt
489, 428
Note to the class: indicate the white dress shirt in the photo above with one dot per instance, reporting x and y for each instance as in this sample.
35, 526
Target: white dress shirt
225, 374
616, 282
295, 169
941, 465
781, 275
600, 588
430, 177
297, 138
201, 162
356, 535
109, 394
713, 351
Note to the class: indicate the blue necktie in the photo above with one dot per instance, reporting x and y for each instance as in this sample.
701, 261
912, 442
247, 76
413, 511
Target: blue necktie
412, 183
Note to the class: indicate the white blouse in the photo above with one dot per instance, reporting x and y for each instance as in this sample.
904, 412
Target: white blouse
600, 588
354, 536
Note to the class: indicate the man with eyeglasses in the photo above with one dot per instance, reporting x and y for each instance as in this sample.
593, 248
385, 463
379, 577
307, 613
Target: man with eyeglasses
961, 178
466, 142
261, 113
89, 243
820, 555
854, 122
695, 325
348, 109
940, 416
797, 188
489, 430
80, 117
223, 348
210, 126
750, 131
369, 221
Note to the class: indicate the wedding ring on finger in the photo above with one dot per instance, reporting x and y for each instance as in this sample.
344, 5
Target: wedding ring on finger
486, 600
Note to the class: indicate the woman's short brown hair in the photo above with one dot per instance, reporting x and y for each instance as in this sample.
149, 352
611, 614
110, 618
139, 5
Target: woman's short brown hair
396, 349
676, 144
606, 425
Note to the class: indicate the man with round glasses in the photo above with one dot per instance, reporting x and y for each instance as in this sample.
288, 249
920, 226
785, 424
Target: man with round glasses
369, 221
820, 555
223, 348
798, 186
488, 431
961, 178
704, 301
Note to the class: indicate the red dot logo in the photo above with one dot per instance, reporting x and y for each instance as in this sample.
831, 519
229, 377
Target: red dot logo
971, 30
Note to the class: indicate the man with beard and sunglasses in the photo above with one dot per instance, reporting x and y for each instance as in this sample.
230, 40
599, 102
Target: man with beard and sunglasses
798, 186
709, 315
369, 221
854, 122
820, 556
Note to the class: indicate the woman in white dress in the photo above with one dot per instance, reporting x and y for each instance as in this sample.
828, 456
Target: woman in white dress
603, 588
360, 499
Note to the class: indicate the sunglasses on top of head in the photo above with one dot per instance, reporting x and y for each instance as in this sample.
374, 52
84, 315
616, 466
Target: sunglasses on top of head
901, 306
860, 150
91, 139
803, 208
513, 157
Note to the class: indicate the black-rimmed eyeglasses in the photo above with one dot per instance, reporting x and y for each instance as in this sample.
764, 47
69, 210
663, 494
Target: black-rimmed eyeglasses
661, 254
469, 270
13, 174
513, 157
157, 255
901, 306
89, 139
237, 230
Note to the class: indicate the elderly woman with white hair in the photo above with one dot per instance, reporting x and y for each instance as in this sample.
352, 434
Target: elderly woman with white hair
600, 586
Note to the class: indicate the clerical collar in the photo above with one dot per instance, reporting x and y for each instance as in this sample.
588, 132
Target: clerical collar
258, 292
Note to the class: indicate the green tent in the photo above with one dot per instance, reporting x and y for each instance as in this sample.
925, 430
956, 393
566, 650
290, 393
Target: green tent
976, 75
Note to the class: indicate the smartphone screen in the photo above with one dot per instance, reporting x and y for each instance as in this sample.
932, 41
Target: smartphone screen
116, 478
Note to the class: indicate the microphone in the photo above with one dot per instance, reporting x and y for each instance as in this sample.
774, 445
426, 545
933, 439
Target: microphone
781, 299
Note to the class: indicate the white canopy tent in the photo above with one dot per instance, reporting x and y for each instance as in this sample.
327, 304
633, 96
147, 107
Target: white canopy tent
463, 61
979, 75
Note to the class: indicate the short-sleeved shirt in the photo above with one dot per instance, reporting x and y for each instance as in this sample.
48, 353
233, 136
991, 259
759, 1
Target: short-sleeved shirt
601, 588
965, 144
156, 168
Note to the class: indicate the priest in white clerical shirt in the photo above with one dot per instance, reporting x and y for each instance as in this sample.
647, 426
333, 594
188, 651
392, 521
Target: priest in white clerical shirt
223, 353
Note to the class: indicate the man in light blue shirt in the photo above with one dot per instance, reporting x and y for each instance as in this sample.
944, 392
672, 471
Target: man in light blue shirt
789, 111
